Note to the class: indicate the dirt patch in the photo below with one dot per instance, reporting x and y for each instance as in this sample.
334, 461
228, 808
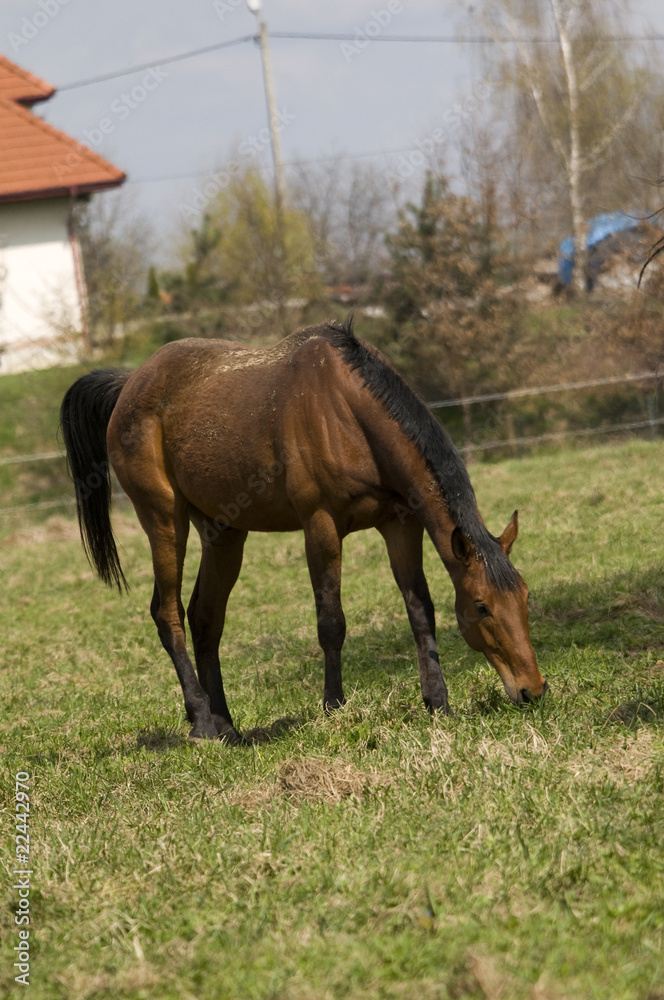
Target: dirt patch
275, 731
647, 603
159, 740
629, 713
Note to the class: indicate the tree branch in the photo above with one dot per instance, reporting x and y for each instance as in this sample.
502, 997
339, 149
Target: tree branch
593, 158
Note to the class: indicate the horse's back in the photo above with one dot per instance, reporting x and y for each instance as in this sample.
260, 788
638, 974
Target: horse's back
224, 421
214, 366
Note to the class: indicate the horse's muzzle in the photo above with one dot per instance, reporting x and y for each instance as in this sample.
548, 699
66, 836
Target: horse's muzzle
526, 697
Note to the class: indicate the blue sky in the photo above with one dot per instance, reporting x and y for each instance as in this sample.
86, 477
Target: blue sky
187, 117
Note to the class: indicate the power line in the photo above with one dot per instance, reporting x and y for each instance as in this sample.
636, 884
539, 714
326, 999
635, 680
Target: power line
343, 37
157, 62
444, 39
346, 36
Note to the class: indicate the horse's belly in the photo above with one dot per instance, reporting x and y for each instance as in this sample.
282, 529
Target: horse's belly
278, 486
257, 501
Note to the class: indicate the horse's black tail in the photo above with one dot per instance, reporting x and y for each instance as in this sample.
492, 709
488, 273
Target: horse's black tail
84, 416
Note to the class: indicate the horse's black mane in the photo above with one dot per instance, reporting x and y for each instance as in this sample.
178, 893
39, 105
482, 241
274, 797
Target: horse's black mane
421, 427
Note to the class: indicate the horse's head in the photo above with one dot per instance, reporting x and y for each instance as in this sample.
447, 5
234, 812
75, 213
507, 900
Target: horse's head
494, 619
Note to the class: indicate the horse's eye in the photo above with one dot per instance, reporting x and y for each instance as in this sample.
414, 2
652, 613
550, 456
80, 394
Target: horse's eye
482, 609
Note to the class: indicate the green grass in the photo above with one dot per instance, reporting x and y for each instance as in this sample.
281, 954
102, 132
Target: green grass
29, 415
501, 853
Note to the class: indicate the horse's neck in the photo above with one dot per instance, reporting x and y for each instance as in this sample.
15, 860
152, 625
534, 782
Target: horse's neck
424, 497
441, 535
433, 512
403, 466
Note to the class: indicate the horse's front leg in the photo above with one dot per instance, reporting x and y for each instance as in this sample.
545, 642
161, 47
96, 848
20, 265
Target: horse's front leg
404, 547
323, 548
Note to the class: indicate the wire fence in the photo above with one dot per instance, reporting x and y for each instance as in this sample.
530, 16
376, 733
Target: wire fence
652, 423
38, 457
560, 435
53, 504
543, 389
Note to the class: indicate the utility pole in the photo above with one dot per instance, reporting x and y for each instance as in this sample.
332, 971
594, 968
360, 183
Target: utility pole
256, 6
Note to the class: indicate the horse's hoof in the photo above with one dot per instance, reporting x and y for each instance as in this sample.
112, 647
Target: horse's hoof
442, 709
332, 704
229, 734
197, 735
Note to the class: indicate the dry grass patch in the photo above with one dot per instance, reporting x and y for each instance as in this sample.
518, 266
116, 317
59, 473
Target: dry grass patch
308, 780
516, 750
418, 759
497, 984
60, 528
55, 529
80, 986
322, 780
627, 763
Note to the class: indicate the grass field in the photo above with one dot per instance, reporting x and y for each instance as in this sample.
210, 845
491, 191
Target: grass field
499, 854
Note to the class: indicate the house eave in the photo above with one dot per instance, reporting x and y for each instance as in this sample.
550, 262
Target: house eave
61, 191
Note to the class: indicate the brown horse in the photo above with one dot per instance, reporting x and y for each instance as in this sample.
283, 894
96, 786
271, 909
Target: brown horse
318, 433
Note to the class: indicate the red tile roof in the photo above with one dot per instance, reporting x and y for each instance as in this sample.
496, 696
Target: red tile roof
17, 84
37, 160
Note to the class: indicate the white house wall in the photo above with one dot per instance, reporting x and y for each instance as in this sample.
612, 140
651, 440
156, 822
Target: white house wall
40, 308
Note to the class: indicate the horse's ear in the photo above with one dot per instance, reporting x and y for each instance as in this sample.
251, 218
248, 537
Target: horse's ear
508, 537
462, 547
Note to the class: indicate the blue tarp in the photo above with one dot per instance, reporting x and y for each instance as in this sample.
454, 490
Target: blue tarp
598, 229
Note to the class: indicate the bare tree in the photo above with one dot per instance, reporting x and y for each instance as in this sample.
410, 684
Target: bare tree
458, 323
315, 190
561, 60
116, 246
349, 207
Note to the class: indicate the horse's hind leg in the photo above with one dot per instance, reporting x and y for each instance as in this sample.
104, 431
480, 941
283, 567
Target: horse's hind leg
404, 547
323, 547
221, 561
164, 518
